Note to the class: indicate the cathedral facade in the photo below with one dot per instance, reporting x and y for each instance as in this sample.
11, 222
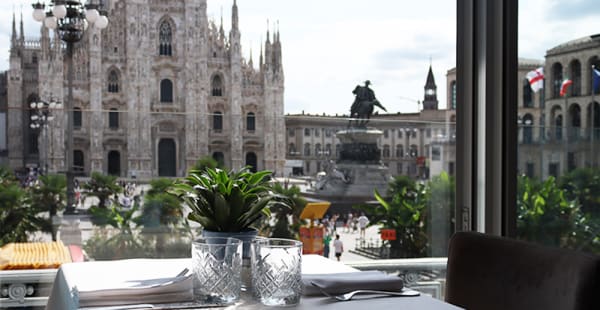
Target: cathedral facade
158, 89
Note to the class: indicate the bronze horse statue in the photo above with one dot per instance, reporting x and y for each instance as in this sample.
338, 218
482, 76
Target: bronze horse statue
363, 105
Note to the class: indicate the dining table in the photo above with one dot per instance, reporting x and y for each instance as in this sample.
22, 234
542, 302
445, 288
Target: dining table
74, 278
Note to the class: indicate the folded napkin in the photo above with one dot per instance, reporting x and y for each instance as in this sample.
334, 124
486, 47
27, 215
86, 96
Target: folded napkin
130, 282
340, 283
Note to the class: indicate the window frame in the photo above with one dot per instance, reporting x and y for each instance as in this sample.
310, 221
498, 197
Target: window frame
486, 126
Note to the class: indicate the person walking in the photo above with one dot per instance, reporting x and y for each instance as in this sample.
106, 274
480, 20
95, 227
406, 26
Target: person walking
338, 246
326, 243
363, 221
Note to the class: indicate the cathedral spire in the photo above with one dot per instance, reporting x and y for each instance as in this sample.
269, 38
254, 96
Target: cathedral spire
268, 35
221, 30
13, 37
22, 34
234, 16
250, 63
260, 56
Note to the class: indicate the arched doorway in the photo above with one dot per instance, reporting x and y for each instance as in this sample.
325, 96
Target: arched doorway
167, 158
251, 161
220, 158
114, 163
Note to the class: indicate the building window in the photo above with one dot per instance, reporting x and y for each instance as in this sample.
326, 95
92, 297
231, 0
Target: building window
318, 151
166, 91
250, 122
428, 132
436, 153
292, 149
113, 81
557, 78
78, 161
386, 151
399, 151
453, 95
291, 132
307, 149
327, 133
113, 119
399, 168
307, 132
217, 86
414, 133
413, 151
317, 132
400, 133
338, 149
327, 149
218, 121
553, 169
77, 118
527, 94
529, 170
575, 67
527, 129
165, 36
386, 134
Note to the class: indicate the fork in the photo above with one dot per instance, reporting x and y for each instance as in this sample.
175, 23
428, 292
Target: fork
350, 295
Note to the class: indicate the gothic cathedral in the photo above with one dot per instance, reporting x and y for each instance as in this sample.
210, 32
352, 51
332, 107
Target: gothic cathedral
158, 89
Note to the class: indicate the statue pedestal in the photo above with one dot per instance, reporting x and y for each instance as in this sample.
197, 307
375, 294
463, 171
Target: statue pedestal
359, 169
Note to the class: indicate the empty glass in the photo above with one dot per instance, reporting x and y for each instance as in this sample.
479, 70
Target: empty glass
276, 271
217, 263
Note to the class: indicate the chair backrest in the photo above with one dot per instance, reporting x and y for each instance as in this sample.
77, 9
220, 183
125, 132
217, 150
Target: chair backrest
489, 272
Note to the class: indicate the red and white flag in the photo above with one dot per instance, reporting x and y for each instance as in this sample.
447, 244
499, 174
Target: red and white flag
536, 79
565, 85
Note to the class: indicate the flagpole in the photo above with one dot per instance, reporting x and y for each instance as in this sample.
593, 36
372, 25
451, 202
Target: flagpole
592, 131
565, 128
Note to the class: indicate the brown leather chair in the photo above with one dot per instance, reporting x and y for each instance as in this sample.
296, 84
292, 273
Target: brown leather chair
489, 272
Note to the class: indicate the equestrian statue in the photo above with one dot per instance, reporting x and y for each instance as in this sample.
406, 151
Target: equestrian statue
363, 105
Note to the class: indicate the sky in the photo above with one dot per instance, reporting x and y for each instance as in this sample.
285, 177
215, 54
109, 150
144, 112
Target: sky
330, 46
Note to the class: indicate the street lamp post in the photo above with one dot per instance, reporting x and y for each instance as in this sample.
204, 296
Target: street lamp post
70, 18
43, 114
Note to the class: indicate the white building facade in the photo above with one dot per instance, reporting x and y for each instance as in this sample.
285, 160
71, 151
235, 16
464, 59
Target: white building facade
158, 89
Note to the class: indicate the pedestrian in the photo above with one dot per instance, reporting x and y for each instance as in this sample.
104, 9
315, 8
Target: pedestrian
363, 221
326, 243
338, 246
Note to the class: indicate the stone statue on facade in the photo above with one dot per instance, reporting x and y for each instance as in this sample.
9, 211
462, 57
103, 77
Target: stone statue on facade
363, 105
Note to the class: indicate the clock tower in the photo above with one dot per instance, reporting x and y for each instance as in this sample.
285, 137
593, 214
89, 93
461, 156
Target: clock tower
430, 101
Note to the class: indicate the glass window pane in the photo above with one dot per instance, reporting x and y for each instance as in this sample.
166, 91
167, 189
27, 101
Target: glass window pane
558, 177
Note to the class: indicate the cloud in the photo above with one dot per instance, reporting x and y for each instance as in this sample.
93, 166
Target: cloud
571, 10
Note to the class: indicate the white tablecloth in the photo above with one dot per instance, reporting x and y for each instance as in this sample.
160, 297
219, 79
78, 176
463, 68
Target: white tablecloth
75, 278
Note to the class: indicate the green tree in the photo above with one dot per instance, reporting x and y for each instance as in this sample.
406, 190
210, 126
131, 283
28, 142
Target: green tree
295, 204
50, 194
406, 212
124, 243
583, 185
162, 214
545, 215
441, 213
18, 218
102, 187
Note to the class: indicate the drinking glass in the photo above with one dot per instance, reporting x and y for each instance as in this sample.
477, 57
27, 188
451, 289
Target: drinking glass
217, 264
277, 271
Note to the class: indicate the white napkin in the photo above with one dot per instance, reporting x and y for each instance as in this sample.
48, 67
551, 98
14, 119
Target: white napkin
130, 282
340, 283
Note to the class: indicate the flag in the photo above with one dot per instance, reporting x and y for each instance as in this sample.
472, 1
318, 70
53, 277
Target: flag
596, 80
536, 79
565, 84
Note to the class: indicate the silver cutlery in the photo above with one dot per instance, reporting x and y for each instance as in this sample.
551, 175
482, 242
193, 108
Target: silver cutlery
348, 296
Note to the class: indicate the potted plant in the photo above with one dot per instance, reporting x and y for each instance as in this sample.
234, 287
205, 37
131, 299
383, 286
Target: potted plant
227, 204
